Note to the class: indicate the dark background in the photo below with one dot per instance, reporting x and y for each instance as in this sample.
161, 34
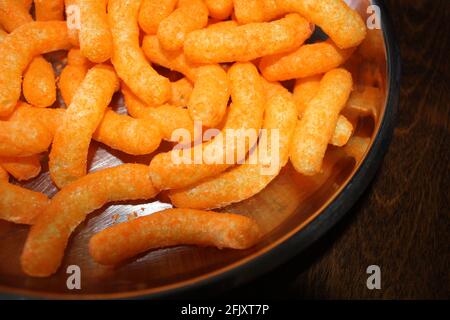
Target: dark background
402, 222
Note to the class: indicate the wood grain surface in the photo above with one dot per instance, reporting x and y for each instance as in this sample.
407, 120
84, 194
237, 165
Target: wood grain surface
402, 222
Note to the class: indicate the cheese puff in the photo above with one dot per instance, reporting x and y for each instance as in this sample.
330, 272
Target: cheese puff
23, 138
17, 51
304, 91
246, 180
308, 60
248, 11
72, 9
167, 117
73, 74
13, 14
132, 136
47, 10
219, 9
68, 157
49, 118
47, 240
26, 3
209, 99
173, 227
152, 12
22, 168
19, 205
173, 60
39, 87
95, 35
340, 22
315, 128
245, 114
181, 92
247, 42
128, 58
190, 15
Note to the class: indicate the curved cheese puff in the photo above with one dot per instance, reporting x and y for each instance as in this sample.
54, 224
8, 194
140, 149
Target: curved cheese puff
167, 117
70, 80
247, 42
173, 227
17, 51
246, 180
248, 11
219, 9
128, 58
315, 128
309, 60
13, 14
23, 138
246, 114
132, 136
22, 168
47, 240
305, 90
342, 133
189, 16
181, 92
152, 12
47, 10
20, 205
209, 99
173, 60
73, 21
39, 87
49, 118
68, 157
340, 22
95, 35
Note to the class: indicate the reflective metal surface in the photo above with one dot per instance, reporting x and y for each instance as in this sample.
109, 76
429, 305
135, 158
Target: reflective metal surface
293, 210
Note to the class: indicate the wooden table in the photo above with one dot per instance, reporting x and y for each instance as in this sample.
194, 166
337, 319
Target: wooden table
402, 222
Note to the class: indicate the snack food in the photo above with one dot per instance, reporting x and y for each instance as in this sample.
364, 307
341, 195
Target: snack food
19, 205
22, 168
248, 11
21, 46
247, 42
341, 23
39, 87
190, 15
307, 61
95, 36
128, 59
219, 9
152, 12
209, 99
173, 227
68, 157
173, 60
315, 128
48, 10
72, 75
47, 240
13, 14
